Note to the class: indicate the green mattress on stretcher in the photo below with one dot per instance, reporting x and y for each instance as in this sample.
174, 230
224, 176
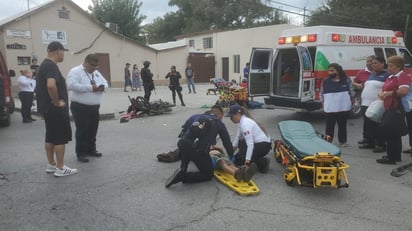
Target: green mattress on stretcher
302, 139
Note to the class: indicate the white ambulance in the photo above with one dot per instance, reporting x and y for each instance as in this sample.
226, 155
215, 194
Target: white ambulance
292, 73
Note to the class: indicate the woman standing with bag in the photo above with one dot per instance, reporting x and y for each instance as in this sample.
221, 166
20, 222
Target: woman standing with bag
370, 92
396, 86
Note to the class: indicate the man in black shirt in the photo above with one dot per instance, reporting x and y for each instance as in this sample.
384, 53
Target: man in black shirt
52, 104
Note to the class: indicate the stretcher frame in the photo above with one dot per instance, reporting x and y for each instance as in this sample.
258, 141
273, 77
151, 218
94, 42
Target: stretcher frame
321, 169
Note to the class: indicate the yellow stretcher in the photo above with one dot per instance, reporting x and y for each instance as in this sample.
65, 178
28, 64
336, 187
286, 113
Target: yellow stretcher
242, 188
308, 158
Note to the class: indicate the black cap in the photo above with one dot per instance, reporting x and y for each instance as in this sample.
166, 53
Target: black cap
146, 63
55, 46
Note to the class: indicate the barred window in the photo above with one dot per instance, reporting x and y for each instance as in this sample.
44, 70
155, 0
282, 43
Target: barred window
207, 42
192, 43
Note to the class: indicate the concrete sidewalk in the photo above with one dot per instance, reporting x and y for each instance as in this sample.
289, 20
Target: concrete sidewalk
115, 100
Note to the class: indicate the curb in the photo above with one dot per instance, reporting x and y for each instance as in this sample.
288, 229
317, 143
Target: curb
103, 116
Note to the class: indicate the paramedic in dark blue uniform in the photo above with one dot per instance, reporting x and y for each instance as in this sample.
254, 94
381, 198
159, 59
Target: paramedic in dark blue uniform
174, 155
195, 145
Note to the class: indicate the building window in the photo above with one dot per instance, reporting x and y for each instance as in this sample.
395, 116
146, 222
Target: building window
23, 60
192, 43
64, 14
207, 42
236, 63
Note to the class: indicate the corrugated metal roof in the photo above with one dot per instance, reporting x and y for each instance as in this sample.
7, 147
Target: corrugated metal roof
168, 45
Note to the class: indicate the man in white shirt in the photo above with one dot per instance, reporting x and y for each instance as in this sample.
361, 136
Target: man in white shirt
86, 85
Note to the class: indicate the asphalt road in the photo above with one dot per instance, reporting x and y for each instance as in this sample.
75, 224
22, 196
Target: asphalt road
124, 190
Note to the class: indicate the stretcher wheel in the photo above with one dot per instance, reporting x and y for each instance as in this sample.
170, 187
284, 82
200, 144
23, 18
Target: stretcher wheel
278, 156
289, 177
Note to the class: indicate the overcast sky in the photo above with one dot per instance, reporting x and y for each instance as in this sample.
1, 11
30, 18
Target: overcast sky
150, 8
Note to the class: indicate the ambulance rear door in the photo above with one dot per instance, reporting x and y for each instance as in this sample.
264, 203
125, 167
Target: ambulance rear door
260, 71
293, 74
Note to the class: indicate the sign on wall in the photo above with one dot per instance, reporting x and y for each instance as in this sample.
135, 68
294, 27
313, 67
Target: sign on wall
16, 46
18, 33
53, 35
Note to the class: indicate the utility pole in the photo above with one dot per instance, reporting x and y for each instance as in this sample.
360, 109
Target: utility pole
304, 16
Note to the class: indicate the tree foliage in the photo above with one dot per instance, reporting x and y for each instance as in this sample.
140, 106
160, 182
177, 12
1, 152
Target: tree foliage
382, 14
195, 16
125, 13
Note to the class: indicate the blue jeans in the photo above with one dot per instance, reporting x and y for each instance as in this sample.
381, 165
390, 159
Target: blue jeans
191, 82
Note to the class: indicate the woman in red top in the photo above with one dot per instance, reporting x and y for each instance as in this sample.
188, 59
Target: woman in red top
395, 86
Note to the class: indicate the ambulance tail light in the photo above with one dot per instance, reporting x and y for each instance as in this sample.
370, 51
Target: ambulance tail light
281, 40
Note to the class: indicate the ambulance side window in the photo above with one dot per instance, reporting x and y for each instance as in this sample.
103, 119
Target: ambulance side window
261, 60
406, 56
390, 52
379, 52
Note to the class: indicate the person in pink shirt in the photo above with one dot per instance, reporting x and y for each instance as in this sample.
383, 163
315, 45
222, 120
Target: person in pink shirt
395, 87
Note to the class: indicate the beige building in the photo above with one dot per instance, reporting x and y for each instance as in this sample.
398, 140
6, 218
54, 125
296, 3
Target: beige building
26, 36
221, 54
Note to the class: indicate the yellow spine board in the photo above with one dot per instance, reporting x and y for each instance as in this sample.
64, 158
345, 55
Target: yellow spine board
242, 188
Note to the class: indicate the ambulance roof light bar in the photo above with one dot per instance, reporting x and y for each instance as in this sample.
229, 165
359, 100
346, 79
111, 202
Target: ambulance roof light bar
297, 39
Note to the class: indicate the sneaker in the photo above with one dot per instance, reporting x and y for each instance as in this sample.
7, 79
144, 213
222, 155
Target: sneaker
50, 168
250, 172
66, 171
344, 145
366, 146
407, 151
363, 141
176, 177
386, 161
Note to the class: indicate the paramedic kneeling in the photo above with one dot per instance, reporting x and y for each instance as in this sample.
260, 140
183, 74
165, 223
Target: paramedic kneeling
195, 146
251, 139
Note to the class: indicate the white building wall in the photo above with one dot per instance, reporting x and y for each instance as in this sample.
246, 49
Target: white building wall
238, 42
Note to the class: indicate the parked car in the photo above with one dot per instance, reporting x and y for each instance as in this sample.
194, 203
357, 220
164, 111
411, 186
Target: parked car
6, 99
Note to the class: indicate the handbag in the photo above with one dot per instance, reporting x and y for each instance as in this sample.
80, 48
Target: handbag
393, 122
407, 100
375, 111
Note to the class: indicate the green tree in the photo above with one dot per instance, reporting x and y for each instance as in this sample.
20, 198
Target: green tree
164, 29
195, 16
125, 13
382, 14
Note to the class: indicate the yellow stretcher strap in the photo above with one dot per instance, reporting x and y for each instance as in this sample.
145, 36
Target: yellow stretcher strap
243, 188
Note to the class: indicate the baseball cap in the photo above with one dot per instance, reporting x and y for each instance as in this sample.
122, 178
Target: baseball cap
235, 108
54, 46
